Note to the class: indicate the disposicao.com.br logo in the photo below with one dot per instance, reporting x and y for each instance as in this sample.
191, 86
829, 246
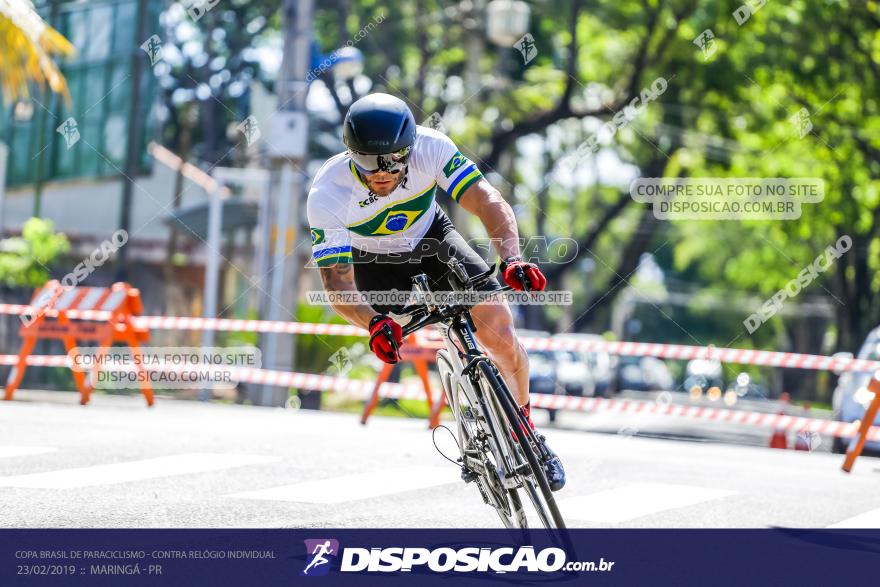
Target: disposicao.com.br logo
443, 559
319, 554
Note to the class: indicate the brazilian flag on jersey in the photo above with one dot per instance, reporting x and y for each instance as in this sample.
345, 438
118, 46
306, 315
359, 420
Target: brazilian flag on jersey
397, 217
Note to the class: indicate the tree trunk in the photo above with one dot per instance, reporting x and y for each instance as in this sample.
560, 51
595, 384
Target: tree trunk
629, 259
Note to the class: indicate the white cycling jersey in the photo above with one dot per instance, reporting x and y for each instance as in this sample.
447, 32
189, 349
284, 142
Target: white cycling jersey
343, 213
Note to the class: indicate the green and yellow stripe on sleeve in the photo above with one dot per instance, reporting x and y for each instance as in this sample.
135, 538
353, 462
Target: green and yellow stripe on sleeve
468, 176
332, 255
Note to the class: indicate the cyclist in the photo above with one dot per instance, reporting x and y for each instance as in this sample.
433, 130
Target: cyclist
375, 224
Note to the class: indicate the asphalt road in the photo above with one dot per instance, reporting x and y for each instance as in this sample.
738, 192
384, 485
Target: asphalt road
116, 463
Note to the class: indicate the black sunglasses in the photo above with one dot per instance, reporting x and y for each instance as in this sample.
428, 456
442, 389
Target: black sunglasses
388, 162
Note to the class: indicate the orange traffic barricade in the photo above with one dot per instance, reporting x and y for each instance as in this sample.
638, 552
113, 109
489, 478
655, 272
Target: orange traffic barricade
51, 305
867, 421
419, 350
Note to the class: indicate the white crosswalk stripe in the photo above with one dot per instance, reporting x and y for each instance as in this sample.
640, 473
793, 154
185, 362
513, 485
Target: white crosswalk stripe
23, 451
634, 501
134, 470
355, 487
870, 519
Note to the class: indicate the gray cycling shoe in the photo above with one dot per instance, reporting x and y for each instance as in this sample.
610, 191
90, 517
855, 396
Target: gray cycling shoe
553, 467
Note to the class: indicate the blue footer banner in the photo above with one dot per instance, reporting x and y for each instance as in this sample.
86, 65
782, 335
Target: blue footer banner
436, 557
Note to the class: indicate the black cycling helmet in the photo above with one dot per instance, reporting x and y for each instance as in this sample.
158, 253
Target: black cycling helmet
379, 131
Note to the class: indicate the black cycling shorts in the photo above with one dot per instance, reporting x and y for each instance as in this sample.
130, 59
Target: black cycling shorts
394, 271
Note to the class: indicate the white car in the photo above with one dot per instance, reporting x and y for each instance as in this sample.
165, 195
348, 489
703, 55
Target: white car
594, 370
573, 374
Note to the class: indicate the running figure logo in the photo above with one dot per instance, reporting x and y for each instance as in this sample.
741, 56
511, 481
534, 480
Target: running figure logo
526, 46
319, 553
153, 48
706, 42
69, 131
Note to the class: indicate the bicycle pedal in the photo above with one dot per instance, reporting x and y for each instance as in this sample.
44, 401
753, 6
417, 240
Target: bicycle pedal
467, 475
545, 453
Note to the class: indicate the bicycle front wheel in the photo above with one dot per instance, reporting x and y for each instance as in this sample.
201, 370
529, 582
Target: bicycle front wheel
473, 440
525, 450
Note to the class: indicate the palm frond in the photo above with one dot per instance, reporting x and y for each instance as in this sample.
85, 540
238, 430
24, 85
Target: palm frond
27, 45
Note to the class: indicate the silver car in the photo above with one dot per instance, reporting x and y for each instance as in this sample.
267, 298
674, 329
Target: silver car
592, 371
851, 396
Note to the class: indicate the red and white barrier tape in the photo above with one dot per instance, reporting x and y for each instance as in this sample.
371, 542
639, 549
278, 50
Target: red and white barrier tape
184, 323
705, 413
639, 349
195, 323
19, 309
37, 360
248, 375
363, 389
723, 355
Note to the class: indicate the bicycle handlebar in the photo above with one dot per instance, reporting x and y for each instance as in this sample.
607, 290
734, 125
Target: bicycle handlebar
465, 283
527, 286
439, 313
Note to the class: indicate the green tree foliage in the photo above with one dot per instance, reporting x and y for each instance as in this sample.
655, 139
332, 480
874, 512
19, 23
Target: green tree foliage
25, 260
211, 62
786, 62
726, 111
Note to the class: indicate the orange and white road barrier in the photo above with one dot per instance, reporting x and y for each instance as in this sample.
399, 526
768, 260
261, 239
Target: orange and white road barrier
364, 389
659, 350
865, 427
373, 390
49, 317
417, 350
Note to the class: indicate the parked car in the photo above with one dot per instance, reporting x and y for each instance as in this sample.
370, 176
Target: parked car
542, 371
643, 374
851, 396
599, 372
573, 374
703, 373
542, 367
746, 387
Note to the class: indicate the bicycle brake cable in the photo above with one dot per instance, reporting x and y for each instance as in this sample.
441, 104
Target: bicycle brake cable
442, 454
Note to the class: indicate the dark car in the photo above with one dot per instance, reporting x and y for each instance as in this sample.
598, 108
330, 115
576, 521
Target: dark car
542, 372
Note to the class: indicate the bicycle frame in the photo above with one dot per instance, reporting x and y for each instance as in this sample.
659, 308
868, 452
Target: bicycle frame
456, 325
473, 378
462, 376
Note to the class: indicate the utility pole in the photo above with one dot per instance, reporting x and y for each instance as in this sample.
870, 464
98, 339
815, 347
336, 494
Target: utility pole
287, 146
4, 158
133, 150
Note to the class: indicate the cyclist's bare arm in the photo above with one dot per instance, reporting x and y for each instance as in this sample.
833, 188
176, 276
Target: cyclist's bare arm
340, 278
487, 204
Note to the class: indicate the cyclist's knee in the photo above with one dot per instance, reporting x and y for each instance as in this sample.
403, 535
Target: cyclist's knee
502, 342
496, 331
494, 320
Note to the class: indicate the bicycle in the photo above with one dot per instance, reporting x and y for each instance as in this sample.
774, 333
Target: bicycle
498, 449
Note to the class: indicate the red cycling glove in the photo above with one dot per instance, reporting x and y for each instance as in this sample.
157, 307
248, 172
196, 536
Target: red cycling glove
386, 336
532, 274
